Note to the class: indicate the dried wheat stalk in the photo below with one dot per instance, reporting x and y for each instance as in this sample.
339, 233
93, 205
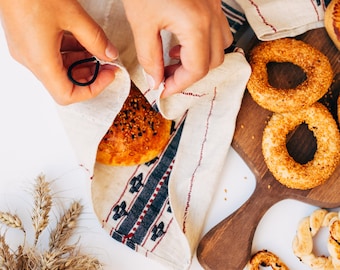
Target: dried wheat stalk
65, 226
21, 258
81, 262
10, 220
51, 259
30, 259
7, 259
42, 206
59, 255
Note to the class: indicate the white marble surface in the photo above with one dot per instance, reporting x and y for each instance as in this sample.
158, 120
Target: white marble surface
32, 141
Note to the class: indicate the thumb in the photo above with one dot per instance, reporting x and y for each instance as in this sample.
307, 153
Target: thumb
90, 35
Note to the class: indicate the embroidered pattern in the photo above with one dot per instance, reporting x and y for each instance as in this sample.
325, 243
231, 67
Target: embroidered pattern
316, 4
142, 214
319, 7
262, 17
323, 3
192, 180
235, 18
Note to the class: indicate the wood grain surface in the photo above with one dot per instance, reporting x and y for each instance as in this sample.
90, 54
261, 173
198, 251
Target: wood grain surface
228, 245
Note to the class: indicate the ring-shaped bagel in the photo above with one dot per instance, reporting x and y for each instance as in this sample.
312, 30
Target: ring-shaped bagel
316, 66
326, 158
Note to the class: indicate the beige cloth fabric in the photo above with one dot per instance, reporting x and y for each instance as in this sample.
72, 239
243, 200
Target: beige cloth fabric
273, 19
209, 108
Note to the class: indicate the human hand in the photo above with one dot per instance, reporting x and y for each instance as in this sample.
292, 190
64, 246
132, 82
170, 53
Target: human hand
47, 36
202, 31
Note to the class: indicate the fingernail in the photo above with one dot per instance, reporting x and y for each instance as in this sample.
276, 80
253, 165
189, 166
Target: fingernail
111, 51
150, 81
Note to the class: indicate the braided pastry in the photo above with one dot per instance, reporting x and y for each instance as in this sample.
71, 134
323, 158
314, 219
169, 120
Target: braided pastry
334, 241
303, 241
265, 258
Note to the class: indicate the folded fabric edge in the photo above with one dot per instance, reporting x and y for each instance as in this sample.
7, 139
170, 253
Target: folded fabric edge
168, 107
233, 95
264, 35
87, 122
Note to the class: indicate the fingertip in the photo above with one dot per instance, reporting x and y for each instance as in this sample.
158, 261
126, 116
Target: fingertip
154, 78
105, 77
165, 94
153, 83
180, 79
169, 92
111, 51
170, 88
158, 81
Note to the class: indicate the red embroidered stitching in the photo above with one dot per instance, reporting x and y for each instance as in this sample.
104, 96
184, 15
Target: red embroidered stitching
146, 92
86, 169
193, 94
262, 17
199, 163
147, 236
316, 10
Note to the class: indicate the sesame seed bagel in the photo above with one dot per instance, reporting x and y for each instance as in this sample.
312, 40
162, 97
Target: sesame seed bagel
326, 158
137, 135
316, 66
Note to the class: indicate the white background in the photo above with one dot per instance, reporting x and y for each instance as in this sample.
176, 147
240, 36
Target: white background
33, 142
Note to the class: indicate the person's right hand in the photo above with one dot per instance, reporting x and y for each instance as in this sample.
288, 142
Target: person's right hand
202, 31
47, 36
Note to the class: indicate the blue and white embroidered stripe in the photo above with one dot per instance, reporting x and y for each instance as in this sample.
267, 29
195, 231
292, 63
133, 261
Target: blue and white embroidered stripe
235, 17
143, 219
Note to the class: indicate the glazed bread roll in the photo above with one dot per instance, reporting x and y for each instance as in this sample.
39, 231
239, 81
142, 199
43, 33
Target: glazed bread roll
137, 135
332, 22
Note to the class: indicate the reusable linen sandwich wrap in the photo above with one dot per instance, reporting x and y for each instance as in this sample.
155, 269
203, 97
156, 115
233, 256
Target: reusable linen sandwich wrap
158, 208
273, 19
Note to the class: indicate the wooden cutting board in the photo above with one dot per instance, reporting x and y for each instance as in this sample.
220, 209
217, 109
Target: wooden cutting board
228, 245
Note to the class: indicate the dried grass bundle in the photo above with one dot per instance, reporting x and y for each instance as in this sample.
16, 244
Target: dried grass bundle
59, 254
